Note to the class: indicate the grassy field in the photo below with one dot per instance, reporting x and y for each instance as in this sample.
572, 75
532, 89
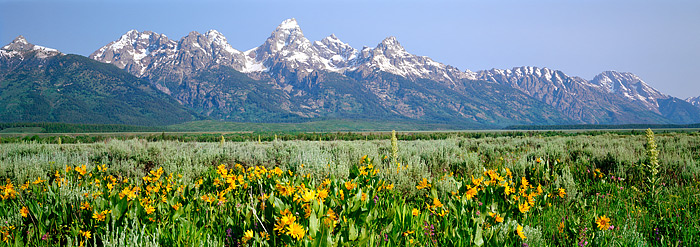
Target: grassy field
606, 189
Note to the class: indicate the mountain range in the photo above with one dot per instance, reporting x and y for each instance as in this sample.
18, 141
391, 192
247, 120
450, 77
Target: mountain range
290, 79
39, 84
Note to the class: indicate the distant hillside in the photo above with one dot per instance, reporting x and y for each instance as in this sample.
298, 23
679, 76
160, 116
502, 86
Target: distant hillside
603, 126
42, 85
74, 128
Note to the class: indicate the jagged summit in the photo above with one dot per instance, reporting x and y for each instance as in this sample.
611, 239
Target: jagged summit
21, 47
285, 48
289, 24
21, 44
18, 44
630, 86
391, 41
294, 63
289, 77
339, 53
391, 47
694, 100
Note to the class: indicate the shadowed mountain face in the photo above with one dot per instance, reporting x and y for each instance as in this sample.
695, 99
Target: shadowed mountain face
39, 84
290, 78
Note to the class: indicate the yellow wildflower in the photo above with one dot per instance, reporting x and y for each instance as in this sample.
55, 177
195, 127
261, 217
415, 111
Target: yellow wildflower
98, 216
471, 192
247, 236
307, 210
423, 184
308, 196
331, 219
477, 182
296, 231
24, 212
523, 182
265, 235
149, 209
38, 180
524, 207
437, 203
390, 187
603, 222
499, 219
496, 217
350, 185
519, 230
85, 234
561, 227
508, 190
288, 219
415, 212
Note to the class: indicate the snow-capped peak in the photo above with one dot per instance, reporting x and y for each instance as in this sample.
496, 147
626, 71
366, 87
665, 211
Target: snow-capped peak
289, 24
694, 101
391, 40
391, 43
285, 48
627, 84
19, 42
335, 50
135, 50
332, 38
20, 45
214, 35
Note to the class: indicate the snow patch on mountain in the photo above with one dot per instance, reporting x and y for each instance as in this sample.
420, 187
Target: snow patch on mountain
630, 86
694, 101
19, 47
285, 48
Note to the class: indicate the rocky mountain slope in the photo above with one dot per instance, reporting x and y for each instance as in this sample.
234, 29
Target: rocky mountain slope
39, 84
321, 79
611, 97
290, 78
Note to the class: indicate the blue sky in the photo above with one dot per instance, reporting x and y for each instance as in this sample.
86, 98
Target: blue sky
657, 40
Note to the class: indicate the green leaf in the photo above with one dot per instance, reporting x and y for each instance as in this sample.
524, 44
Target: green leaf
352, 234
478, 238
313, 225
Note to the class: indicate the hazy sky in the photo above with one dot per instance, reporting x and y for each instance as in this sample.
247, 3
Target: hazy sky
657, 40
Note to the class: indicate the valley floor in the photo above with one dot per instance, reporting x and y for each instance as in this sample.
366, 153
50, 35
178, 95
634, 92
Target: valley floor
595, 189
